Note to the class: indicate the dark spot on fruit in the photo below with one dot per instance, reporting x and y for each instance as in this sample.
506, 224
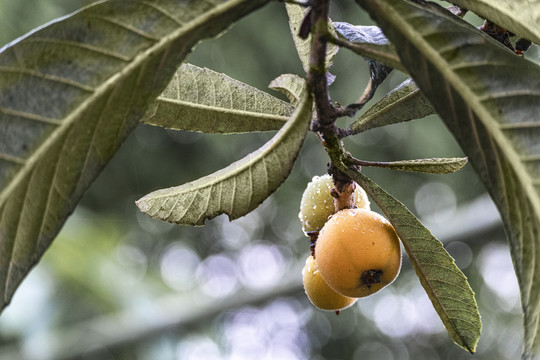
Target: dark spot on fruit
371, 277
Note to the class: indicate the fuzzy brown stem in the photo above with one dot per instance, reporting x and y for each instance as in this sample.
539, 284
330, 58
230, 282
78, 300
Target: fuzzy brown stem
343, 190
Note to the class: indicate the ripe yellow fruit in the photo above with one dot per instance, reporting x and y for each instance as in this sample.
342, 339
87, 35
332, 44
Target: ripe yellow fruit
319, 293
358, 252
317, 204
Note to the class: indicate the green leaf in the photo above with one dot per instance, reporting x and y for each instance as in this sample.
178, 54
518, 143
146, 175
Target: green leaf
404, 103
240, 187
445, 284
429, 166
70, 94
203, 100
296, 15
291, 85
490, 99
518, 16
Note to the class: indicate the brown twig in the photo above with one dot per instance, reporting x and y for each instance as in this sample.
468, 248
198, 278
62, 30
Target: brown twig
327, 113
316, 77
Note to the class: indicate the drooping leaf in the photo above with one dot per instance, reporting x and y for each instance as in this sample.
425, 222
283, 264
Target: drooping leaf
370, 42
291, 85
70, 94
240, 187
364, 44
203, 100
444, 283
362, 34
518, 16
428, 166
296, 15
490, 100
378, 71
404, 103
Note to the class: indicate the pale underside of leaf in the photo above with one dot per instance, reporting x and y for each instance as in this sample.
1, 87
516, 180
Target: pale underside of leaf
203, 100
291, 85
365, 41
490, 99
240, 187
404, 103
443, 281
519, 16
428, 166
71, 92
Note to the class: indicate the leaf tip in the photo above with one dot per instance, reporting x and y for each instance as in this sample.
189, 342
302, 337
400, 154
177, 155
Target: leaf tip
142, 204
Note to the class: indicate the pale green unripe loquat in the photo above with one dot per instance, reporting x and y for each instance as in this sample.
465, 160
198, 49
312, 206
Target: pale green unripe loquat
317, 204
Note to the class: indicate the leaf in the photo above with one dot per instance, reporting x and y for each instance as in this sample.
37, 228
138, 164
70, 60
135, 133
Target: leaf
518, 16
369, 42
490, 100
240, 187
70, 94
445, 284
362, 34
378, 72
203, 100
429, 166
291, 85
296, 15
404, 103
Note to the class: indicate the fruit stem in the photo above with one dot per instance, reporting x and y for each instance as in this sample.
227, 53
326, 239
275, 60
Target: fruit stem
343, 190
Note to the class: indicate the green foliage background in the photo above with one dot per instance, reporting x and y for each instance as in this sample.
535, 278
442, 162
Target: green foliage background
108, 259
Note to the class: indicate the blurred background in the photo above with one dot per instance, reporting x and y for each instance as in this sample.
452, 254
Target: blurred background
116, 284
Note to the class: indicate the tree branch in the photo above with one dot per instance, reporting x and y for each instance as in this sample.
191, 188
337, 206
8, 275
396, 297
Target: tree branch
316, 77
326, 113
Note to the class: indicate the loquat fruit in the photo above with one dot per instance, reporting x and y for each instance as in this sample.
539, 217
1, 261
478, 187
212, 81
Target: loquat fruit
319, 293
358, 252
317, 204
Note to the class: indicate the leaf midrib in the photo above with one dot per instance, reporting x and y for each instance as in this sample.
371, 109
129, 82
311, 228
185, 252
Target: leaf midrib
222, 110
109, 84
437, 298
419, 268
262, 152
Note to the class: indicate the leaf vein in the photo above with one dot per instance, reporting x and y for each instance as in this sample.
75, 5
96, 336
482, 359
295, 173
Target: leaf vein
162, 11
30, 116
125, 26
52, 78
83, 46
204, 210
12, 159
18, 216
